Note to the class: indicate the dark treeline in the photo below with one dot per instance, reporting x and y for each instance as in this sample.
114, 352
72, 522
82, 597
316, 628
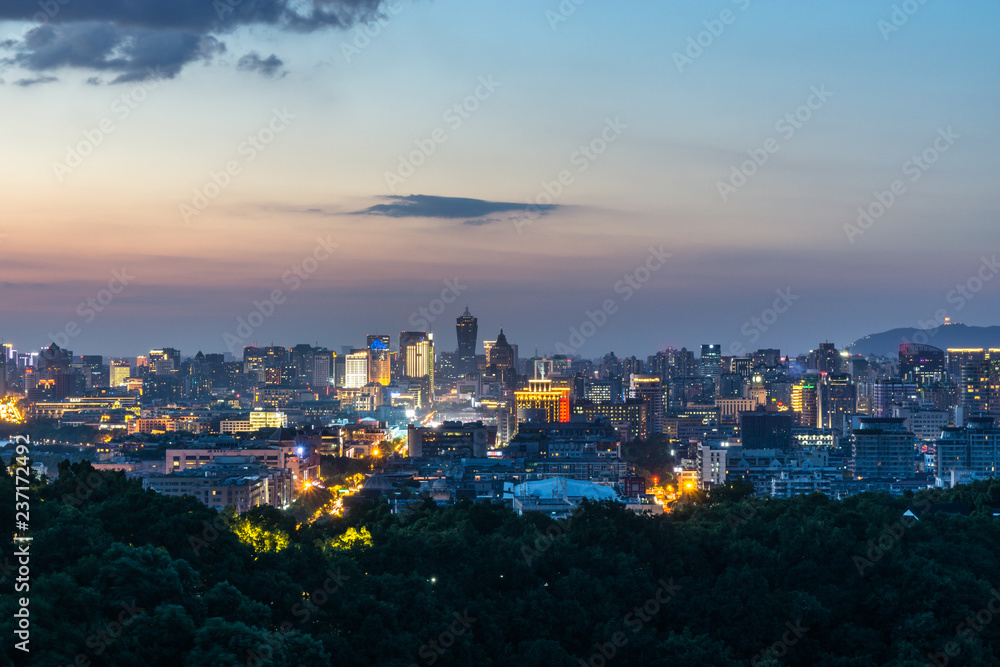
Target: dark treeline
121, 576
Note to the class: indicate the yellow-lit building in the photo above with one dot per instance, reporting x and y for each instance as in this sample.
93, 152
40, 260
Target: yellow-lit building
542, 395
118, 372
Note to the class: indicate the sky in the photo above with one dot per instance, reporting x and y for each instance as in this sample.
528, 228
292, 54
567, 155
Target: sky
590, 176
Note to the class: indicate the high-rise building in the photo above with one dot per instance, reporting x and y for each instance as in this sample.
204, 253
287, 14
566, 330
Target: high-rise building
889, 392
541, 397
416, 349
837, 399
883, 449
711, 360
827, 358
959, 357
649, 388
379, 360
356, 369
974, 448
322, 368
805, 400
118, 372
923, 364
166, 361
467, 332
501, 354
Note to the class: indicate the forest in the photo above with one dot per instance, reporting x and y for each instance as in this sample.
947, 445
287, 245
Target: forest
123, 576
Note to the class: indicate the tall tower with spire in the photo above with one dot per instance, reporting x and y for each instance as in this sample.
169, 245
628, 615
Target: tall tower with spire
467, 332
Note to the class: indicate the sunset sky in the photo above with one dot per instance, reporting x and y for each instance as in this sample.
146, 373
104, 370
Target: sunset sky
333, 109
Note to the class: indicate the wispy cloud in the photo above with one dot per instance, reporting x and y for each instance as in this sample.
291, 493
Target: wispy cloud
448, 208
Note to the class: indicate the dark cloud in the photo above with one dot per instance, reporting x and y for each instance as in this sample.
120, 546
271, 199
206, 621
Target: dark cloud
428, 206
128, 38
481, 221
24, 83
269, 67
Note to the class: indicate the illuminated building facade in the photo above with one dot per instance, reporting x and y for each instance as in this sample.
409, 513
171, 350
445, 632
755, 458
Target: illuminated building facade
649, 388
805, 400
356, 369
379, 360
542, 397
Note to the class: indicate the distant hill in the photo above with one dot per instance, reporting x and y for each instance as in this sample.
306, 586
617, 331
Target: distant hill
950, 335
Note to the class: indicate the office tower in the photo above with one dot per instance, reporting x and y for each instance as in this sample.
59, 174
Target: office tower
974, 448
502, 354
731, 385
118, 372
959, 357
711, 360
603, 391
766, 430
3, 368
630, 418
974, 381
837, 400
649, 388
805, 400
166, 361
356, 369
467, 332
922, 364
766, 357
542, 399
827, 358
883, 449
889, 392
379, 360
322, 369
416, 349
381, 338
54, 359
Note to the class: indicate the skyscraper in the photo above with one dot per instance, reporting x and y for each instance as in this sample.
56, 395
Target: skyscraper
837, 399
805, 401
356, 369
711, 360
501, 353
417, 351
467, 332
379, 360
883, 449
649, 388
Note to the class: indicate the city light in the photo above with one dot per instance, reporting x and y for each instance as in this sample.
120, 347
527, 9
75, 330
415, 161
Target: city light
9, 412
